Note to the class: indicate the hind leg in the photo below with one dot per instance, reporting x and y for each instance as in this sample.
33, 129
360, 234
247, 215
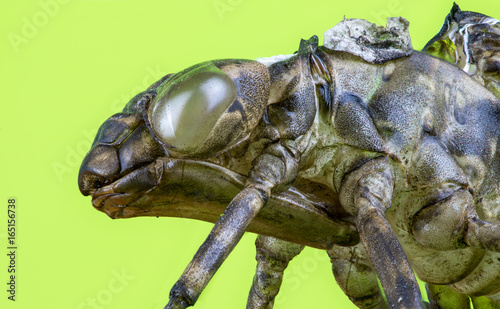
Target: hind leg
482, 234
484, 302
272, 257
448, 219
453, 223
442, 296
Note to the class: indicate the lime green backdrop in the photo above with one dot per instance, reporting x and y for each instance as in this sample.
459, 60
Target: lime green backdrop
65, 67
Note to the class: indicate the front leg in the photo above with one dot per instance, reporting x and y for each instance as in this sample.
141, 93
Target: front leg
275, 167
367, 193
290, 113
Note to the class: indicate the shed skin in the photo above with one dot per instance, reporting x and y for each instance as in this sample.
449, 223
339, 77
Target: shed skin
425, 130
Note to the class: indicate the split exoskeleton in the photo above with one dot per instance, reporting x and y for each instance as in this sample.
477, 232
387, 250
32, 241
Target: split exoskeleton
391, 165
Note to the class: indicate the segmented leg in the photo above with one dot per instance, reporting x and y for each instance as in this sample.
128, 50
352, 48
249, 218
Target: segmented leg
442, 296
458, 221
482, 234
367, 194
276, 166
272, 257
220, 242
356, 277
484, 302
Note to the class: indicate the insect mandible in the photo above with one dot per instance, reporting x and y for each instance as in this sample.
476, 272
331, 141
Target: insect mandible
383, 156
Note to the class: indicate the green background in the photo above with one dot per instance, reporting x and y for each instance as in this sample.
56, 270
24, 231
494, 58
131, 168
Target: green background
66, 66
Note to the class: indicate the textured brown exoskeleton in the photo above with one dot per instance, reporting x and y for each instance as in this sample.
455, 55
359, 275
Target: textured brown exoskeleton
385, 157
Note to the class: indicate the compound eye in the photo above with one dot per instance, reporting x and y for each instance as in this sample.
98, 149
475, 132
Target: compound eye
189, 105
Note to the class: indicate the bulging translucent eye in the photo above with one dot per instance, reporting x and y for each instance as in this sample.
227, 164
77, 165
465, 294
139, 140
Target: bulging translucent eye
188, 106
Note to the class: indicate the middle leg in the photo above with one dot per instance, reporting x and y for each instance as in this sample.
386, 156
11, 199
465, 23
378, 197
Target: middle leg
273, 256
356, 277
366, 193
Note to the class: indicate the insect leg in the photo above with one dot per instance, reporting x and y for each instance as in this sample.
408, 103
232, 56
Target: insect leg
455, 223
272, 258
482, 234
484, 302
219, 243
275, 167
356, 277
367, 193
442, 296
